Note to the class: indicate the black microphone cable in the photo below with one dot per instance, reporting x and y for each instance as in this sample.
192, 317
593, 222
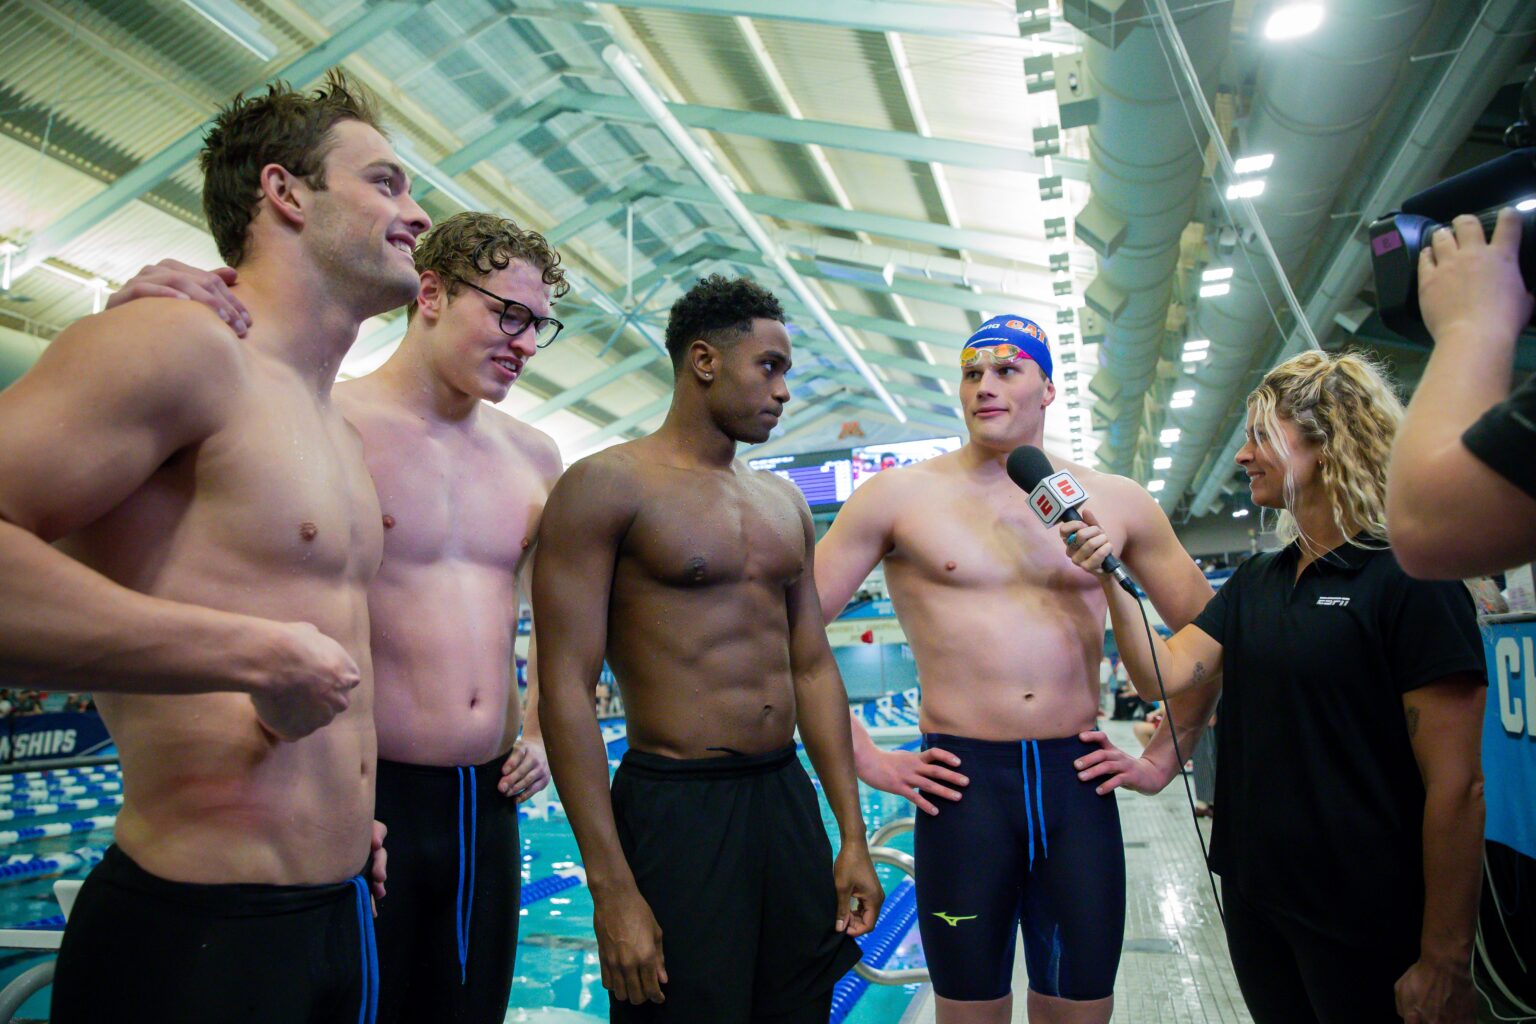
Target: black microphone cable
1173, 731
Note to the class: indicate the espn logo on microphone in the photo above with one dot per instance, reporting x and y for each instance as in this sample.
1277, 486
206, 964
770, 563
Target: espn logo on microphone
1054, 495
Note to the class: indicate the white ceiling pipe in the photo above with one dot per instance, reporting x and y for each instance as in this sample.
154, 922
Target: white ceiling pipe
691, 152
1145, 168
1314, 105
1494, 44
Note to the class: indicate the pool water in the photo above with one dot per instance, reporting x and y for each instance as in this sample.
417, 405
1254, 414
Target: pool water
557, 965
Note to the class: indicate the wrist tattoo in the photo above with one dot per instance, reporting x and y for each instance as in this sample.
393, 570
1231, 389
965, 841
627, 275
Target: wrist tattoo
1413, 722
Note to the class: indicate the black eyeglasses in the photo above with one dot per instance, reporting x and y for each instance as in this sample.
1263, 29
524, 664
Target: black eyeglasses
517, 318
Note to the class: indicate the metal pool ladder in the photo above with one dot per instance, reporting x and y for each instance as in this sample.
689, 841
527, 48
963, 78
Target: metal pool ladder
883, 854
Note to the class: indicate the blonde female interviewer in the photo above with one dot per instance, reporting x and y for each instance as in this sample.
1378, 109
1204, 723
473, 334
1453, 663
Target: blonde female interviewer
1350, 835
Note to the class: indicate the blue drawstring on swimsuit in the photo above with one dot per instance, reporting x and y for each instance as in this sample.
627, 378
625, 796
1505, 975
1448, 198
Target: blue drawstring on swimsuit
1025, 749
368, 1009
466, 892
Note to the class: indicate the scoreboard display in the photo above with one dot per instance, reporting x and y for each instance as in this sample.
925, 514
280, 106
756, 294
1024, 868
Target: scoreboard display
828, 478
872, 459
825, 478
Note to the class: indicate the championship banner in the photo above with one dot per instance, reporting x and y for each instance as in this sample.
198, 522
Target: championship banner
51, 736
1509, 734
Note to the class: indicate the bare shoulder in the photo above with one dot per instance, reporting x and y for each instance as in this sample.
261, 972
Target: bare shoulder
782, 490
609, 475
534, 444
165, 358
183, 343
1136, 509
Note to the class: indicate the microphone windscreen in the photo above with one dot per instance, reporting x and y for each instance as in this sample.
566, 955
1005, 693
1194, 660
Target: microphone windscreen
1028, 465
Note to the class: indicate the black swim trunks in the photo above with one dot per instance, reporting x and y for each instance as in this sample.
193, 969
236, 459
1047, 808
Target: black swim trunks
733, 858
1028, 843
448, 926
141, 947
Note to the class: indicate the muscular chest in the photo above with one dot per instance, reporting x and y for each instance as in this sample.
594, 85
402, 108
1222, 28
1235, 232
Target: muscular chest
285, 483
696, 531
452, 498
985, 539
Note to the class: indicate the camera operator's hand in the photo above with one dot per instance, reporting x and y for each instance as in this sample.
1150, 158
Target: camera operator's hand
1470, 288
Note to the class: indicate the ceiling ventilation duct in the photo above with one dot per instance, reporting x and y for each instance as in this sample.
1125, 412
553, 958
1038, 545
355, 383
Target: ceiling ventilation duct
1314, 105
1499, 34
1145, 172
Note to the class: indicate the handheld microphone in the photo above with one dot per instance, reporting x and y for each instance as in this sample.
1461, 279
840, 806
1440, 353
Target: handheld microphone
1055, 495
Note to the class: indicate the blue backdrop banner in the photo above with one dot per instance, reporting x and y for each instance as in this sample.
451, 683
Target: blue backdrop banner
52, 736
1509, 734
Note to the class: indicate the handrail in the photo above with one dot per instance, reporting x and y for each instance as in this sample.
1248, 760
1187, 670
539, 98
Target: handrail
25, 985
883, 835
882, 854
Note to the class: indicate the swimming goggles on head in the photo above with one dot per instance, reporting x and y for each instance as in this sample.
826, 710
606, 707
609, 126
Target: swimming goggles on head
997, 355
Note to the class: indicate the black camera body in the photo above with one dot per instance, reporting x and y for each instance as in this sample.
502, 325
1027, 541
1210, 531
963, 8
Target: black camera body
1397, 239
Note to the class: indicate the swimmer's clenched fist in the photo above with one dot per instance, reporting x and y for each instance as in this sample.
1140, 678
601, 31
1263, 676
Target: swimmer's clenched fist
308, 682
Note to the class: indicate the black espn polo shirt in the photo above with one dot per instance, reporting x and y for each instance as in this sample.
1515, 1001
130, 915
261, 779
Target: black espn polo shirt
1319, 801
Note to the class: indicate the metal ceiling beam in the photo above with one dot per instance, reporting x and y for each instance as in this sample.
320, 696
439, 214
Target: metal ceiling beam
570, 396
916, 367
363, 29
939, 294
626, 423
930, 19
831, 134
823, 215
940, 401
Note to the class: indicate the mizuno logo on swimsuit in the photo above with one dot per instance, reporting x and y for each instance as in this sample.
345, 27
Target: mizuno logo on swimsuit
952, 920
1332, 602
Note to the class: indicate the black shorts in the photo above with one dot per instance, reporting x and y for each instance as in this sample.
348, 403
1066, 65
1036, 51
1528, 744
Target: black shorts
142, 947
733, 858
1031, 844
448, 926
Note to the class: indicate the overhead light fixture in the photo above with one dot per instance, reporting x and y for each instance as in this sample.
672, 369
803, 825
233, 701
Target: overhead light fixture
1526, 205
229, 18
1211, 291
1181, 403
1162, 462
1293, 20
1170, 435
1217, 274
642, 93
1197, 344
1246, 189
1254, 164
1157, 485
7, 251
1239, 513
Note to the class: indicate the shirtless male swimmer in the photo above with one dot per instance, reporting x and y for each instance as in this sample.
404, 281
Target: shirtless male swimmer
1008, 643
716, 896
188, 530
461, 486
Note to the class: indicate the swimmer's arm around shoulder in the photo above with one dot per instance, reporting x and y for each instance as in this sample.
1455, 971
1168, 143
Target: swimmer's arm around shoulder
858, 539
110, 400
